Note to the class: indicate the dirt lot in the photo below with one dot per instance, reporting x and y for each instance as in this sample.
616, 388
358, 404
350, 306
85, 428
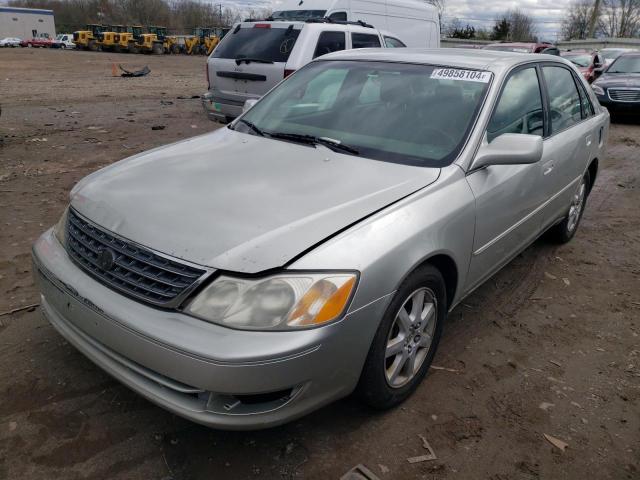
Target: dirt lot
550, 345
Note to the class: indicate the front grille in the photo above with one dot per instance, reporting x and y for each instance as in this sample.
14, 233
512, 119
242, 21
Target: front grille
625, 94
128, 267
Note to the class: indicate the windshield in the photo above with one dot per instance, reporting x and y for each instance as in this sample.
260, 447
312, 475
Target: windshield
581, 60
611, 54
414, 114
258, 41
298, 14
625, 64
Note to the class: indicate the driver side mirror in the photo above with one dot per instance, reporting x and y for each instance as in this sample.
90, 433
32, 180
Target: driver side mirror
509, 149
248, 104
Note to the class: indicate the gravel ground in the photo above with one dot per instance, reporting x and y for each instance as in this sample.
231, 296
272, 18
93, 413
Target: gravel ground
550, 345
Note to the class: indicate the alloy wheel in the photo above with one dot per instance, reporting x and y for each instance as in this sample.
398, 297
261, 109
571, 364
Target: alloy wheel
576, 206
410, 337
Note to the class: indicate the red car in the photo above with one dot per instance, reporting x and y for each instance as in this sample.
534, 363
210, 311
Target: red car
41, 42
524, 47
589, 63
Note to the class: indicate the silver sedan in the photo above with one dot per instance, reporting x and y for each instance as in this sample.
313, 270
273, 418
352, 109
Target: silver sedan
313, 248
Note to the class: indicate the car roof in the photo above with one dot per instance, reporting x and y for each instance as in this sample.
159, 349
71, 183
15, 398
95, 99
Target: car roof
455, 57
316, 25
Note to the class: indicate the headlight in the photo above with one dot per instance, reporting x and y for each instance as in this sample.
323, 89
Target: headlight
281, 302
597, 90
60, 228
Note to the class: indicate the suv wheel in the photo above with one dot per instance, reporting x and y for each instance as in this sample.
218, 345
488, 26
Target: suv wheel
406, 341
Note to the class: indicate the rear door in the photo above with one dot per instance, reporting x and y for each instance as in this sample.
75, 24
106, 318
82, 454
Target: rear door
572, 137
251, 59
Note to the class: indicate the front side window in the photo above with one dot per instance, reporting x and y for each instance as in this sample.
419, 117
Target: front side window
519, 109
564, 100
330, 42
258, 42
403, 113
391, 42
365, 40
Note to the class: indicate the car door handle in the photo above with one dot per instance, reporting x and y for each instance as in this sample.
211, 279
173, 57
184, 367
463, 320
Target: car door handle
547, 168
588, 140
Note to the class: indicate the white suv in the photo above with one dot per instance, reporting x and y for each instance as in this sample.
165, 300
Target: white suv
255, 56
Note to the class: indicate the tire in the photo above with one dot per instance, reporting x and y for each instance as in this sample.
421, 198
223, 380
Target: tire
157, 49
566, 229
377, 386
175, 49
133, 48
92, 45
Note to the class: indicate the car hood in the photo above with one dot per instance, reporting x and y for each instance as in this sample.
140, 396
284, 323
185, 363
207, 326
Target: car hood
619, 80
239, 202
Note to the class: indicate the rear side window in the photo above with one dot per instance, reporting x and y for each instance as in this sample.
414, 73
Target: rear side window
587, 106
391, 42
519, 109
564, 100
268, 44
365, 40
330, 42
338, 16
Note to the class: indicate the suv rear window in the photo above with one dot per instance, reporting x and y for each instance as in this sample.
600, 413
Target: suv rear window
269, 44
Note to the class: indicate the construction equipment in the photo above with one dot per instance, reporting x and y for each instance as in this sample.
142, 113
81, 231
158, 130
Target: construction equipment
170, 43
145, 42
123, 38
108, 37
203, 42
87, 39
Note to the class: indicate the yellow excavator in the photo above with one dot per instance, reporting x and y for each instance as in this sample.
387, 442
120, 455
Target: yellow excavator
87, 39
203, 41
170, 43
108, 38
145, 42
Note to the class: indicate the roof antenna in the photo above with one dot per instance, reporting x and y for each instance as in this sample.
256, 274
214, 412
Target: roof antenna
301, 2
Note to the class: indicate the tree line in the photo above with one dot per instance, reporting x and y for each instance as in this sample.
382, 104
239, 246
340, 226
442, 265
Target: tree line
582, 19
179, 16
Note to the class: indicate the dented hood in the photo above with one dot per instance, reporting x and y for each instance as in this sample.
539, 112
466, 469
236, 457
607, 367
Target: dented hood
239, 202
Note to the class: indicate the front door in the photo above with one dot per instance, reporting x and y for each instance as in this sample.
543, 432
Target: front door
508, 197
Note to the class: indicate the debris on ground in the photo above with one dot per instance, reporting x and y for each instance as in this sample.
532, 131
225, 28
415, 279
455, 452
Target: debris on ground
383, 468
135, 73
20, 309
452, 370
359, 472
546, 406
424, 458
158, 127
556, 442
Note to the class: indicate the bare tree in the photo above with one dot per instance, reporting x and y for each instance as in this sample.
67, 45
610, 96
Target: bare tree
521, 26
577, 19
620, 18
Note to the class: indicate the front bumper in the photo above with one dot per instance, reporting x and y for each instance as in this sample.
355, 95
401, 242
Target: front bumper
216, 376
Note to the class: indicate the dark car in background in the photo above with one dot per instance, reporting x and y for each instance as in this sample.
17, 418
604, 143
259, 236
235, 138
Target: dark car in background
524, 47
618, 88
590, 63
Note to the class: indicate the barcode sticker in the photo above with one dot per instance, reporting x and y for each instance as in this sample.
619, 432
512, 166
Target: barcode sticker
458, 74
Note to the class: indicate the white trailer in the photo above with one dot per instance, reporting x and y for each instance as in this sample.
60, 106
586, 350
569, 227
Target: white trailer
414, 22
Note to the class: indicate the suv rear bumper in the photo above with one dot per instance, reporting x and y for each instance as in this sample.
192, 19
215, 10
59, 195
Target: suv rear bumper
221, 109
212, 375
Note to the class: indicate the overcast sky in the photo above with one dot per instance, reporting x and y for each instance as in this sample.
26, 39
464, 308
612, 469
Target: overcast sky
482, 13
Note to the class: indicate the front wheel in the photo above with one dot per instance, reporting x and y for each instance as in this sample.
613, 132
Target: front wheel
566, 229
406, 341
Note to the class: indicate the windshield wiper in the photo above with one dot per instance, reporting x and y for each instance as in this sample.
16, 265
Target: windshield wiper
253, 128
254, 60
330, 143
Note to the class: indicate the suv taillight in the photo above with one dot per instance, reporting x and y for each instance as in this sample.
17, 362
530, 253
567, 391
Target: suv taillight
206, 69
288, 72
